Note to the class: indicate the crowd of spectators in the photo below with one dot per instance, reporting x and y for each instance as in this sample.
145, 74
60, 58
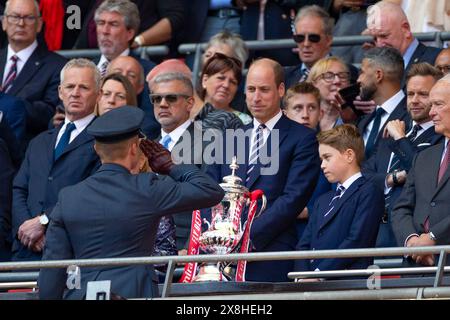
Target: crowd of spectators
47, 102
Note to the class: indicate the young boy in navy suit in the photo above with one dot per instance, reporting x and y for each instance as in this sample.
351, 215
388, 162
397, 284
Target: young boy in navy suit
348, 217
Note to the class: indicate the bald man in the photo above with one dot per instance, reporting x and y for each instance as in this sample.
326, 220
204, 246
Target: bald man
443, 61
388, 24
131, 68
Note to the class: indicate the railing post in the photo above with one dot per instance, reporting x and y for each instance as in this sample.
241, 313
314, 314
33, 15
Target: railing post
196, 67
168, 279
440, 268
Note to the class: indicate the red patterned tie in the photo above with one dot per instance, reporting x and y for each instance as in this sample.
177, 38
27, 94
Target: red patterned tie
11, 74
444, 164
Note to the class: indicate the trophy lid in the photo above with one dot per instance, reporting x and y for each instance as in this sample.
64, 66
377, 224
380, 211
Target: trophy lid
232, 183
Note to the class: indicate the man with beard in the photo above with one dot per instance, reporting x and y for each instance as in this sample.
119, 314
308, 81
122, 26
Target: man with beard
380, 80
389, 166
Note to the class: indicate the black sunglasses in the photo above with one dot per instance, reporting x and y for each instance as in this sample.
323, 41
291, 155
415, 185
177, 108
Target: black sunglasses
170, 98
312, 37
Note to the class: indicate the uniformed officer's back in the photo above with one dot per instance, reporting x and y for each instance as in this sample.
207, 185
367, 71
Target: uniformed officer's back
115, 214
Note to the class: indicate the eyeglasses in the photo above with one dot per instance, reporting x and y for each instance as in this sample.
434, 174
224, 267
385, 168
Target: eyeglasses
312, 37
330, 76
170, 98
13, 19
444, 68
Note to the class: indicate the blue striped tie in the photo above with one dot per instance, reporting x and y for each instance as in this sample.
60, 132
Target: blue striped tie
339, 191
254, 154
166, 141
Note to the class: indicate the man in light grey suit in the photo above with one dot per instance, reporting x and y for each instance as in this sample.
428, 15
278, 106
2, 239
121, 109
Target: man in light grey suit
421, 216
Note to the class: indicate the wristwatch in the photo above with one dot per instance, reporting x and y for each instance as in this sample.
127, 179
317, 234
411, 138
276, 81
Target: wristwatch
43, 220
431, 235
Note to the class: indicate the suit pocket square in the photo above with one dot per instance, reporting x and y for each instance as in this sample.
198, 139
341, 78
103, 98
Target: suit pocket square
424, 144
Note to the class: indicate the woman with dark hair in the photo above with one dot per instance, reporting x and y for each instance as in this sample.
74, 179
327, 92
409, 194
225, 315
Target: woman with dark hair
115, 91
220, 79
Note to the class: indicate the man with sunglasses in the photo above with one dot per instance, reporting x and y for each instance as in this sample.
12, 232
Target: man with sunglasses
28, 70
313, 35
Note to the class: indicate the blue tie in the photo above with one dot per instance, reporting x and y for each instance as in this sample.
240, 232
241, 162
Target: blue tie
64, 141
166, 141
339, 191
374, 132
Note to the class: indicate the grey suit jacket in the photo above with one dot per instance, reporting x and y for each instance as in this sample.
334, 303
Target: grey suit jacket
118, 217
423, 197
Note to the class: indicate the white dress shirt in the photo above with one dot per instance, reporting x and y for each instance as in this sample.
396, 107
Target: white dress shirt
176, 134
80, 125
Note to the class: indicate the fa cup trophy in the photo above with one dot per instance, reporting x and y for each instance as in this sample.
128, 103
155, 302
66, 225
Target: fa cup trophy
227, 232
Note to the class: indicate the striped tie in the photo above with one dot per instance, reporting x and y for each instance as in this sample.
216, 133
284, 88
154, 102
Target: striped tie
11, 74
103, 68
254, 154
305, 74
339, 191
166, 141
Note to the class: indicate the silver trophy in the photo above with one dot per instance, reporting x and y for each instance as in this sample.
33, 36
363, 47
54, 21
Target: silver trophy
226, 229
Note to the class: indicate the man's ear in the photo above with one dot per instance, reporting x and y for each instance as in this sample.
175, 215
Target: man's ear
281, 90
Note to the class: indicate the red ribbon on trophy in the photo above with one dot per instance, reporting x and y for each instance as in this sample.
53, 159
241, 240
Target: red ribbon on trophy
196, 229
242, 264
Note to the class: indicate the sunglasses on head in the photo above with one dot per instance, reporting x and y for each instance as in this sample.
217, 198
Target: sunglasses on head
312, 37
170, 98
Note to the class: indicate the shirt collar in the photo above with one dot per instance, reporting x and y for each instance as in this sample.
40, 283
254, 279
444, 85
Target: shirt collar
390, 104
80, 124
424, 126
178, 132
103, 58
410, 51
23, 54
347, 183
269, 124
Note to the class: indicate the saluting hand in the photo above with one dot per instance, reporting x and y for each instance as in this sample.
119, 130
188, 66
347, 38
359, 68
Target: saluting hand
159, 158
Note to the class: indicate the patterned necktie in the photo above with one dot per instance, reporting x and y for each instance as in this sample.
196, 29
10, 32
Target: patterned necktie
339, 191
444, 163
103, 68
64, 141
374, 132
305, 74
166, 141
11, 74
254, 154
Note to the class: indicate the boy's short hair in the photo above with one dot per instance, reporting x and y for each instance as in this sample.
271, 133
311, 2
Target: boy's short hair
301, 88
344, 137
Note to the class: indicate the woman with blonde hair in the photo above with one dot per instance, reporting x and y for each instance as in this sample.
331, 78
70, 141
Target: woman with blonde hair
330, 75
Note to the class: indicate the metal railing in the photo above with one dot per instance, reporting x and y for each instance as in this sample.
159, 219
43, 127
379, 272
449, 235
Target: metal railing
198, 48
262, 256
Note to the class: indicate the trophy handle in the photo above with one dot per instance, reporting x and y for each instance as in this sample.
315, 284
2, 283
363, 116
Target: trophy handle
263, 206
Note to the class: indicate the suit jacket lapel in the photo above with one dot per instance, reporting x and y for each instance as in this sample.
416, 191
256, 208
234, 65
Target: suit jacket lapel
3, 56
283, 128
436, 167
82, 138
347, 194
29, 69
53, 134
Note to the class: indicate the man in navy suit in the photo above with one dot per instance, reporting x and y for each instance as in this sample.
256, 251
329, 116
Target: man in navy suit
313, 35
287, 177
390, 164
28, 70
349, 217
116, 29
380, 80
55, 159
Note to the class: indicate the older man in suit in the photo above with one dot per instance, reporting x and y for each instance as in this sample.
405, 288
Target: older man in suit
55, 159
390, 165
27, 69
129, 228
282, 160
420, 217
